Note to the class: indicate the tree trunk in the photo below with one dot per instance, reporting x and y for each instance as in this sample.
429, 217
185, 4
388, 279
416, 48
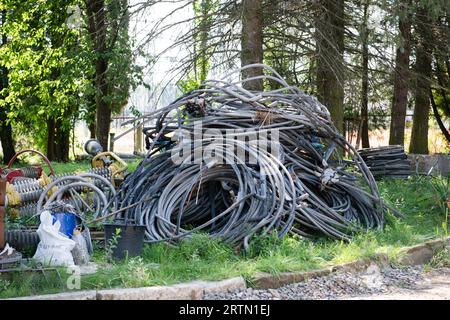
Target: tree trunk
251, 42
97, 29
6, 137
203, 29
330, 58
92, 111
92, 129
441, 125
419, 135
58, 141
103, 120
51, 139
365, 81
62, 143
443, 83
401, 85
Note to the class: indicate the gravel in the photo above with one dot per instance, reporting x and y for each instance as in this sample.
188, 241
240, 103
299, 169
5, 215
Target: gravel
337, 285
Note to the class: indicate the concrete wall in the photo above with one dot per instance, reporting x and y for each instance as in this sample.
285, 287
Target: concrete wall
439, 164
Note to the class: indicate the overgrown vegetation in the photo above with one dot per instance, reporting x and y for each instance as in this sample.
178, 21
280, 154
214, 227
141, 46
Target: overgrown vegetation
441, 259
421, 199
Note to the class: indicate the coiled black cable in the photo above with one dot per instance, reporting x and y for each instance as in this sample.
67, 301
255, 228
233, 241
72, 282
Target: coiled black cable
306, 187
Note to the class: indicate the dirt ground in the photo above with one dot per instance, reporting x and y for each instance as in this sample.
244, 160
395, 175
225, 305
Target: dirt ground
435, 285
375, 283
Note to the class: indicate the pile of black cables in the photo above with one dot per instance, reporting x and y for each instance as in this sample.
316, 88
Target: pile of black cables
387, 161
236, 163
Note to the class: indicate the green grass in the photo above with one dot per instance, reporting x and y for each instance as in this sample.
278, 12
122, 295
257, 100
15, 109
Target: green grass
67, 167
83, 166
420, 199
71, 167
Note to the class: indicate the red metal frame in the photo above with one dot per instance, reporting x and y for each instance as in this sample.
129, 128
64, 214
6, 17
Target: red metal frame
52, 172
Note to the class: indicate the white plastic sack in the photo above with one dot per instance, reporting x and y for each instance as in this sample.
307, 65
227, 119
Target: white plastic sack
7, 251
54, 249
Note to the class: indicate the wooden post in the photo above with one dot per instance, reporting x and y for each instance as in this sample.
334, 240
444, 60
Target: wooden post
111, 141
138, 139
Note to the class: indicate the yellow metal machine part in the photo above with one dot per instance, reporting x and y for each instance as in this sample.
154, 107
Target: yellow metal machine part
12, 195
118, 167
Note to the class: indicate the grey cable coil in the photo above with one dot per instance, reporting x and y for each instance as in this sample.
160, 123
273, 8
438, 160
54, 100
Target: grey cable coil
309, 192
30, 189
30, 209
387, 161
103, 194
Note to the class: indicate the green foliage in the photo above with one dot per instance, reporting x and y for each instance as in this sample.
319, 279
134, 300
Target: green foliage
137, 273
204, 13
442, 97
4, 284
50, 65
135, 112
123, 74
188, 85
112, 244
47, 65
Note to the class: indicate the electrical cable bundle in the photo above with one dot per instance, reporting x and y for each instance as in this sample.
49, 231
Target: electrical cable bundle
390, 161
237, 163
